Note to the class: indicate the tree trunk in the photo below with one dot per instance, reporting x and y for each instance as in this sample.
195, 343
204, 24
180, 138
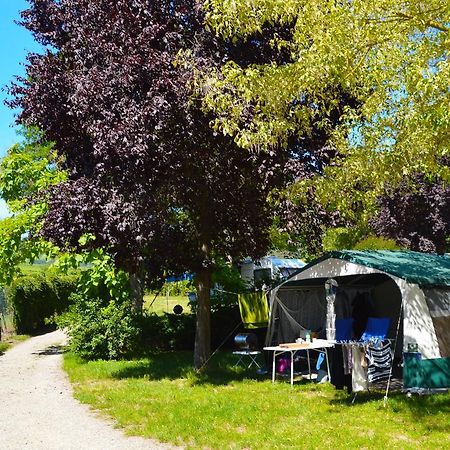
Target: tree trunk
137, 292
202, 349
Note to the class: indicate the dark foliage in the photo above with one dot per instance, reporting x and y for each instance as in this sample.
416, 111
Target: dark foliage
260, 48
177, 332
310, 153
148, 176
418, 217
159, 189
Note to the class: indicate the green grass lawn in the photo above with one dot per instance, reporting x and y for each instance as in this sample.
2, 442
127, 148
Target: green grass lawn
4, 346
164, 304
231, 408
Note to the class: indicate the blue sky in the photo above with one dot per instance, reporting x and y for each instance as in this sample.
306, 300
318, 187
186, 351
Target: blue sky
15, 43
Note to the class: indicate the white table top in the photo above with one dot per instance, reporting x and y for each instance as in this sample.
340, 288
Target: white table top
317, 343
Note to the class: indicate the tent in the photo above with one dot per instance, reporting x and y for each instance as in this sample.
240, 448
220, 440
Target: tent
411, 288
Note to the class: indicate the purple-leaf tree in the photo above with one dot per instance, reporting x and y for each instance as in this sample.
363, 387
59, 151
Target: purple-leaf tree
148, 177
416, 217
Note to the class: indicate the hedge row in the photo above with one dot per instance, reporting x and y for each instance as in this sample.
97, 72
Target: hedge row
177, 332
36, 297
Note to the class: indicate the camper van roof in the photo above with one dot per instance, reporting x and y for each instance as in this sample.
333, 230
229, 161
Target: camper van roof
427, 269
286, 262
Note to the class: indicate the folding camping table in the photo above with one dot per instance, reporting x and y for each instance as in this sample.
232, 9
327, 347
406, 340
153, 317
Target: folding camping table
318, 345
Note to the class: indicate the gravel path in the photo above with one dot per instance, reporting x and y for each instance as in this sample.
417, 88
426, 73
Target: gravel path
38, 412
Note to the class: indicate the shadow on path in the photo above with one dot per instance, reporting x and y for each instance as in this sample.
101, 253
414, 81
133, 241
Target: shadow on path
51, 350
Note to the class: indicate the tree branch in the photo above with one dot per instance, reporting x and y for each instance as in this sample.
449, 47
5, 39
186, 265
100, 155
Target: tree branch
428, 23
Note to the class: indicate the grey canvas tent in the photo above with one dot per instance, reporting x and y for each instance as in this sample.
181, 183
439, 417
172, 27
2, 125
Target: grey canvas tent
411, 288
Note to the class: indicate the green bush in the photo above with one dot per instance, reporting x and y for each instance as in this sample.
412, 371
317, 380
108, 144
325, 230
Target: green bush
178, 288
356, 239
35, 298
168, 331
100, 327
177, 332
341, 238
377, 243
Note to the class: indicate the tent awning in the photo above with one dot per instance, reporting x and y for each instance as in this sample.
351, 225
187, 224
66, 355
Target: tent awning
425, 269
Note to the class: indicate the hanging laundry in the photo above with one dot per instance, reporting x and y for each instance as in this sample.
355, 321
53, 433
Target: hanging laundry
347, 357
254, 309
359, 371
380, 361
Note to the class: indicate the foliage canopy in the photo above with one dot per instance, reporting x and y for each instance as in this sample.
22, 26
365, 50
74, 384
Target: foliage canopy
391, 56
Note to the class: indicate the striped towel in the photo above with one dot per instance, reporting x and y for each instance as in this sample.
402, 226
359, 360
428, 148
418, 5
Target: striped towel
380, 360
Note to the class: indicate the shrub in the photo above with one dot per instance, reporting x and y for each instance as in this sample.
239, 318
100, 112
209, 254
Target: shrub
177, 332
35, 298
377, 243
101, 327
168, 331
341, 238
4, 346
178, 288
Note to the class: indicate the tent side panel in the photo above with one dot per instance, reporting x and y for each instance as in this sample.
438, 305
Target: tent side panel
418, 325
442, 328
426, 373
247, 272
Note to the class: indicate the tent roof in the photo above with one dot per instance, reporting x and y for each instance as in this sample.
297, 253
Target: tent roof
426, 269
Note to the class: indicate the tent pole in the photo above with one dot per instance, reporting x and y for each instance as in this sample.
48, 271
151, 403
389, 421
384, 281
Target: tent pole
393, 351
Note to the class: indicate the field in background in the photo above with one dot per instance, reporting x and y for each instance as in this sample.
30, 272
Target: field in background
9, 340
164, 304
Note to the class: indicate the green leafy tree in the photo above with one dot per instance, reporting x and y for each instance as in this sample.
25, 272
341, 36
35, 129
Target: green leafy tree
391, 56
26, 172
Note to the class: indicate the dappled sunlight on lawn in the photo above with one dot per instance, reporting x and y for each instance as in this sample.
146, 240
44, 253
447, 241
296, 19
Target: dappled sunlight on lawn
161, 396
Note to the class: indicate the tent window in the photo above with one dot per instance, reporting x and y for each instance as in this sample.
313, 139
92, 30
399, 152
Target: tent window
262, 276
299, 310
438, 301
286, 272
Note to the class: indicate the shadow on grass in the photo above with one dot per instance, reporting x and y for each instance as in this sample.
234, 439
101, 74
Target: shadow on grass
420, 406
175, 365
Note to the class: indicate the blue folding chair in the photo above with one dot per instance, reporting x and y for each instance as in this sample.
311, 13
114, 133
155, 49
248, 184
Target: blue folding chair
344, 328
376, 329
